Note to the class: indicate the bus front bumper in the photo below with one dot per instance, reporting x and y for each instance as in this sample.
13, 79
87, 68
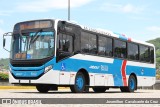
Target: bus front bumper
51, 77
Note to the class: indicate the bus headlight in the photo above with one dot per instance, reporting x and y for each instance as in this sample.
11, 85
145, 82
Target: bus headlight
48, 68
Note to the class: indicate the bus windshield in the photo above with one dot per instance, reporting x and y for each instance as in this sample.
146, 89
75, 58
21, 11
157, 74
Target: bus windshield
32, 45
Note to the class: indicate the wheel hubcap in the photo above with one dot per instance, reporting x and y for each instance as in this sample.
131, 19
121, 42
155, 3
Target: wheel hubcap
132, 84
79, 82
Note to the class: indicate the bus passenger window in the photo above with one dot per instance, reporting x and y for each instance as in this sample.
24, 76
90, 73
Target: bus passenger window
65, 43
152, 55
120, 49
144, 53
133, 53
88, 43
101, 46
104, 46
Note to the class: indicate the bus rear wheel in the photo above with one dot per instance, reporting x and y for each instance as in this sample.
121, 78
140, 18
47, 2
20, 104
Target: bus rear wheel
99, 89
132, 84
43, 88
80, 83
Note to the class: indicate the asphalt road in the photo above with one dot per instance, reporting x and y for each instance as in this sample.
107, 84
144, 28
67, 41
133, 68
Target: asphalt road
65, 93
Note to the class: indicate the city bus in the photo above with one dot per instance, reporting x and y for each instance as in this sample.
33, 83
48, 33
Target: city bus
56, 53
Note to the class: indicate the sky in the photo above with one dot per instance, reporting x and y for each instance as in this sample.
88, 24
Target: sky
138, 19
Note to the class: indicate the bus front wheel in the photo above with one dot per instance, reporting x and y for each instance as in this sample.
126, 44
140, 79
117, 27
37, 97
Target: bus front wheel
43, 88
80, 83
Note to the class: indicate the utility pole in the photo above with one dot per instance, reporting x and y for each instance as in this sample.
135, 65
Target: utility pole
68, 10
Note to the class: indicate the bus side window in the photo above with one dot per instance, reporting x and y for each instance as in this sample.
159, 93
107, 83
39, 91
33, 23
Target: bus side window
104, 46
65, 43
144, 53
88, 43
65, 46
152, 55
120, 49
133, 53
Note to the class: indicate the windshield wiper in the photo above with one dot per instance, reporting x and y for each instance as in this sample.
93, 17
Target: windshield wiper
36, 36
21, 36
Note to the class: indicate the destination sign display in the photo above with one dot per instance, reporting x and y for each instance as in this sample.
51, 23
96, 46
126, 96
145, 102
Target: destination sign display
33, 25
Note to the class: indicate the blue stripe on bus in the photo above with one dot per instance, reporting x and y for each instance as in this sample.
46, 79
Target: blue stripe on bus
26, 68
76, 64
42, 33
27, 73
121, 36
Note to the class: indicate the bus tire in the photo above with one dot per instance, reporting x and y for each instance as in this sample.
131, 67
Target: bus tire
43, 88
132, 84
80, 83
99, 89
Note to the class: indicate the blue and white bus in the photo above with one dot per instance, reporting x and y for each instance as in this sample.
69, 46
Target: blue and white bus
52, 53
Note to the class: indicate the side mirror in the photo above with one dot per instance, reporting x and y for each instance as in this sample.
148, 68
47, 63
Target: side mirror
4, 42
7, 36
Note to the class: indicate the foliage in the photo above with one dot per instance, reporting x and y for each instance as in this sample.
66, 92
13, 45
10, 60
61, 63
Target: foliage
4, 76
4, 63
158, 77
156, 42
